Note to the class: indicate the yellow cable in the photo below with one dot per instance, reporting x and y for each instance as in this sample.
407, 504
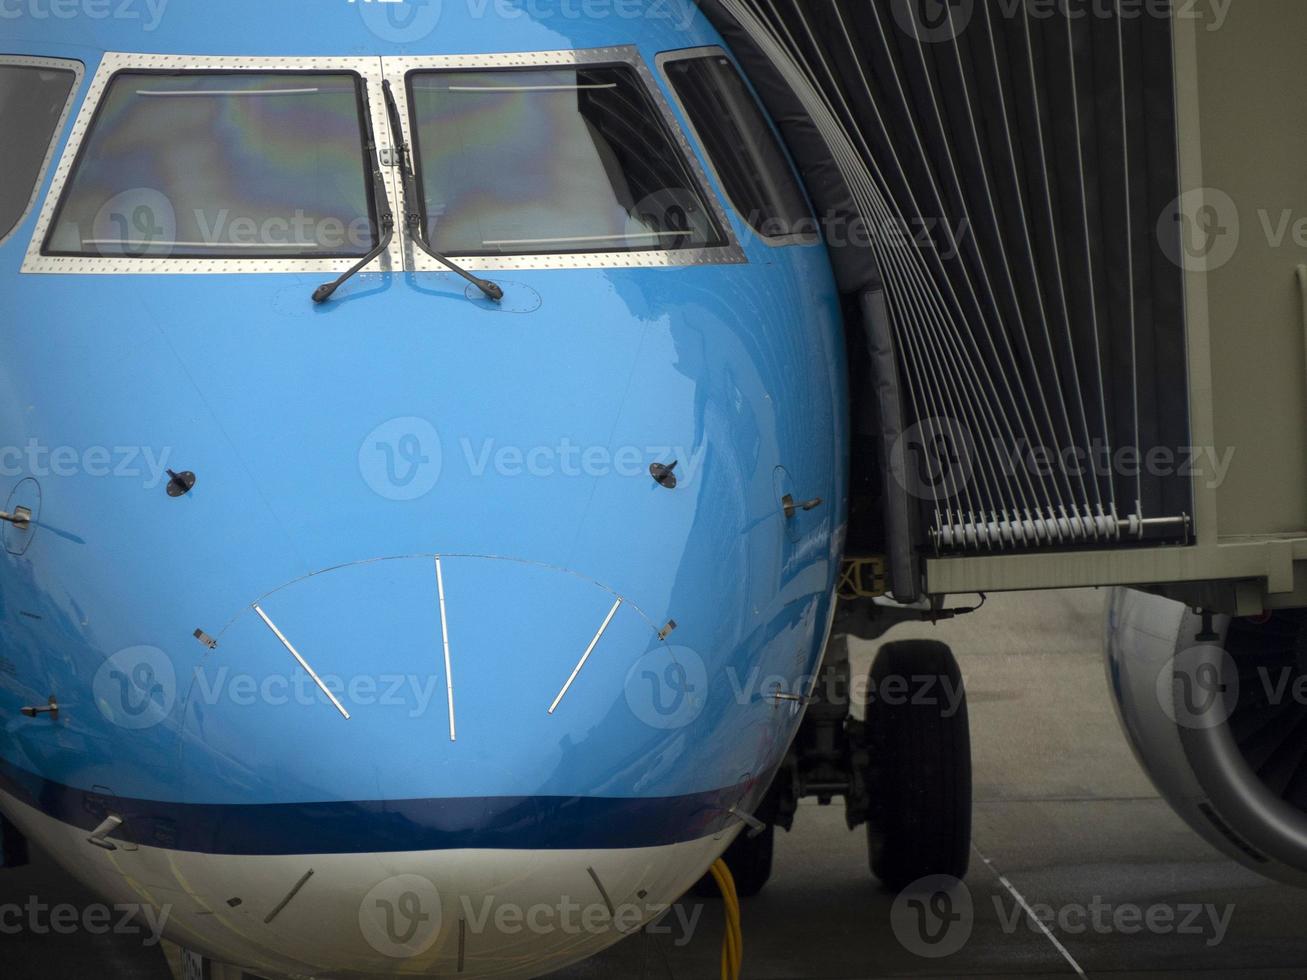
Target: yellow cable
733, 941
730, 952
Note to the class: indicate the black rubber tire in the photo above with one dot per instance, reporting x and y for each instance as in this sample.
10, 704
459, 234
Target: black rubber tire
13, 846
750, 861
919, 770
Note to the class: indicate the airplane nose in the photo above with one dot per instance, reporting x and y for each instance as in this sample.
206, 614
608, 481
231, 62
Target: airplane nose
455, 757
431, 677
501, 913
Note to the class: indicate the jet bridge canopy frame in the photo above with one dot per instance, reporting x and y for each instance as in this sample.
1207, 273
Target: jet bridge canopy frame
1243, 327
1241, 158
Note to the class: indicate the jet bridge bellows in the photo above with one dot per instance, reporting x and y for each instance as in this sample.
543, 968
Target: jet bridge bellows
1013, 195
1009, 171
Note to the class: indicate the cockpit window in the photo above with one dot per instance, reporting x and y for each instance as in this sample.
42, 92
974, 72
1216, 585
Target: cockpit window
33, 100
551, 161
744, 151
221, 165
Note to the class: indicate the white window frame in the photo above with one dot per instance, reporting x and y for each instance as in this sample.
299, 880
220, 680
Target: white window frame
397, 72
401, 255
113, 62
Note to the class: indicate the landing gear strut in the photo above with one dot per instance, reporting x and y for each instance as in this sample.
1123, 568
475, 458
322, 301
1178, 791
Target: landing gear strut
904, 770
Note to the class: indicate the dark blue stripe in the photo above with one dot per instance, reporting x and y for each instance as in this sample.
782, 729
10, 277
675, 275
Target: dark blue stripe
364, 826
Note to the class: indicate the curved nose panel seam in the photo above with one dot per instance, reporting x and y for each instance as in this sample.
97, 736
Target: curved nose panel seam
432, 556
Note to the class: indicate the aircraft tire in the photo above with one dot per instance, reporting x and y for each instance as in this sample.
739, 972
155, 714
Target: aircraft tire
920, 764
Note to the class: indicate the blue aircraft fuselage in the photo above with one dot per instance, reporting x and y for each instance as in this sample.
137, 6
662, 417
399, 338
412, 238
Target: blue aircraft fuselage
439, 503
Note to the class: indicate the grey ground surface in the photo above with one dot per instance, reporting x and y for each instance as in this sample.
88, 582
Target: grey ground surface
1064, 818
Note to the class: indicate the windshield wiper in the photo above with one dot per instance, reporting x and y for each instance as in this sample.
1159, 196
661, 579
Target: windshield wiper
381, 197
413, 219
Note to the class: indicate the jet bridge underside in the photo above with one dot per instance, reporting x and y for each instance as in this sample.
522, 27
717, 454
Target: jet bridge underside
1014, 200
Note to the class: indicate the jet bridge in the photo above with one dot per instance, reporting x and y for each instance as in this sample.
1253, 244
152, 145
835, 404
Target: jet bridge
1074, 270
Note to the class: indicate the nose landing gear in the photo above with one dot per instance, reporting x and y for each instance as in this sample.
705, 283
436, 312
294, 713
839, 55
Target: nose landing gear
904, 769
13, 846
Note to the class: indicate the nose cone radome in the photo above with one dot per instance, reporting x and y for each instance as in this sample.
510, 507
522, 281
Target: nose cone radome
491, 783
474, 913
438, 678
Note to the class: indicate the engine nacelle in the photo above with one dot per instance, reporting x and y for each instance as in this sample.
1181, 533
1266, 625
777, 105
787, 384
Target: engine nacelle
1219, 722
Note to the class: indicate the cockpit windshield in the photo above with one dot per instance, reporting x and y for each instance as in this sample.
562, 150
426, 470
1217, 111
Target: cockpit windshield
553, 161
221, 165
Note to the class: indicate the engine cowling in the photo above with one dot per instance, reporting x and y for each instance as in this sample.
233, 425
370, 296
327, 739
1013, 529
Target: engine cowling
1218, 719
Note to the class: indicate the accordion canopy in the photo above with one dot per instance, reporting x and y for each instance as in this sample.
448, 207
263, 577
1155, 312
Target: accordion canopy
998, 184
